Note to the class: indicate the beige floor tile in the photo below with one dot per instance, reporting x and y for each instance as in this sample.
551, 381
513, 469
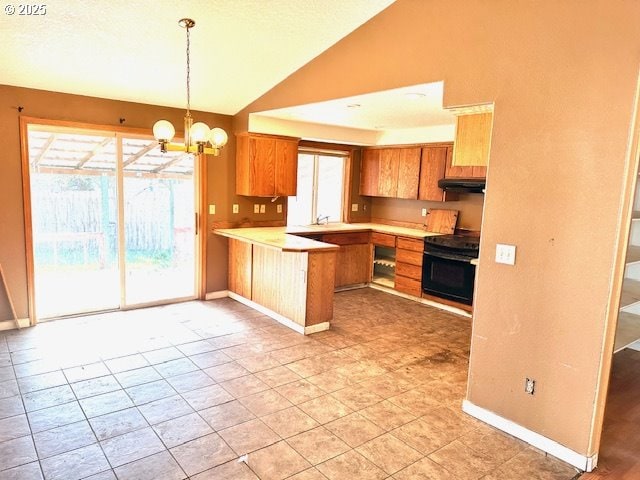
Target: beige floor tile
308, 474
182, 429
423, 437
249, 436
202, 454
530, 464
325, 409
357, 397
415, 402
456, 421
264, 403
226, 371
226, 415
425, 469
354, 429
350, 465
389, 453
289, 422
492, 442
280, 375
331, 380
318, 445
244, 386
463, 462
155, 467
207, 397
276, 462
232, 470
387, 415
300, 391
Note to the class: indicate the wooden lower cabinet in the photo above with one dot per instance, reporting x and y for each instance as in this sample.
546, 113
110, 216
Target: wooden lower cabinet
353, 260
409, 266
240, 266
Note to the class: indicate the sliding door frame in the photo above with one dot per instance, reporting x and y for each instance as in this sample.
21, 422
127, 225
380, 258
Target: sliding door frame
119, 131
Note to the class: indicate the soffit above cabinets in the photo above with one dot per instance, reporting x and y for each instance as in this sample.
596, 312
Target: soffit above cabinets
135, 51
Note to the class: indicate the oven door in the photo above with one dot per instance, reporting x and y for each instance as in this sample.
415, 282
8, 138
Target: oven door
445, 276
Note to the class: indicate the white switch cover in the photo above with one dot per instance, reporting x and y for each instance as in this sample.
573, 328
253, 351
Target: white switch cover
236, 208
212, 209
256, 208
263, 208
424, 212
354, 207
279, 208
505, 254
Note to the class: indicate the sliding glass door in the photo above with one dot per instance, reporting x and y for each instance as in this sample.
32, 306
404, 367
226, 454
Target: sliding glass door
113, 221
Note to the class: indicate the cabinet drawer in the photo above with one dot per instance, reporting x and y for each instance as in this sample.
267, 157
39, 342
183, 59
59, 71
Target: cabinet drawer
383, 239
354, 238
408, 256
411, 271
408, 285
411, 244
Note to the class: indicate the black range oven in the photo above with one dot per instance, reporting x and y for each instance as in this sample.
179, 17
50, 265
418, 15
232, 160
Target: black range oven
447, 271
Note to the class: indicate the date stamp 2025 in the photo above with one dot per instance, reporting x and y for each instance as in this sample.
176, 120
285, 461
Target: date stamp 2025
25, 9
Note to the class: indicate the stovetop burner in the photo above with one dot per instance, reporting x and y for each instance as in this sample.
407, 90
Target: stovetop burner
462, 244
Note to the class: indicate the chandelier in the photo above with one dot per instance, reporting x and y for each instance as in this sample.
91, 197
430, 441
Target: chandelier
196, 135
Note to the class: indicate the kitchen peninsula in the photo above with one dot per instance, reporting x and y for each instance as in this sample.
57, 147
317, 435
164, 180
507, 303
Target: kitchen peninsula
290, 277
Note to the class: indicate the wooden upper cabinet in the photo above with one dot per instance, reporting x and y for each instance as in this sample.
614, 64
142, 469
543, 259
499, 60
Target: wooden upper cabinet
390, 172
369, 172
473, 139
266, 165
433, 166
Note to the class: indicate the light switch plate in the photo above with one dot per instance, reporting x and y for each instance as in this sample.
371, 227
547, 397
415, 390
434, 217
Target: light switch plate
263, 208
279, 208
354, 207
236, 208
424, 212
256, 208
212, 209
506, 254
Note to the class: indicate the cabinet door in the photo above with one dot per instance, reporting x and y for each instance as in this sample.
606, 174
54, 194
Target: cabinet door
353, 265
262, 166
388, 172
286, 167
408, 173
433, 166
369, 172
473, 137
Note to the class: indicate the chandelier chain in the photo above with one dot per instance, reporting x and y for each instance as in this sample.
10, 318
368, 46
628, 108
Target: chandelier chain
188, 73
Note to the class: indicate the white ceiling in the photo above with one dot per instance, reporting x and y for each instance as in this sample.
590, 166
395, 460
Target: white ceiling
401, 108
135, 50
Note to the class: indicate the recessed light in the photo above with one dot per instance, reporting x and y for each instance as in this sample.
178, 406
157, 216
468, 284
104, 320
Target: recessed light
414, 95
354, 105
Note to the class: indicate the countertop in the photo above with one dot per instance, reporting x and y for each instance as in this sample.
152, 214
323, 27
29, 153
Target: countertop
286, 239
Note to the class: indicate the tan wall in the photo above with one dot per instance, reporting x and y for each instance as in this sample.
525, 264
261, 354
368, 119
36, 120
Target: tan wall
56, 106
563, 77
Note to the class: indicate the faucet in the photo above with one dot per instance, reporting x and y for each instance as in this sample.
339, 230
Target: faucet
321, 218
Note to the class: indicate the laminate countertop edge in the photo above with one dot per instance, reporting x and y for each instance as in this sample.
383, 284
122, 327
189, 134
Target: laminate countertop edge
287, 239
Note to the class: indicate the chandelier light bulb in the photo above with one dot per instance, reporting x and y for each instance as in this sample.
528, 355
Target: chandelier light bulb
218, 137
163, 130
199, 132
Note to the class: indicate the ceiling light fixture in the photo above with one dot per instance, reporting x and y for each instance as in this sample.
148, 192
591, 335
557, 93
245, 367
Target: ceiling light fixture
354, 105
414, 95
196, 135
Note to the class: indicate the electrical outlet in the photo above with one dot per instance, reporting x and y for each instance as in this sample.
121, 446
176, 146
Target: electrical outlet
424, 212
236, 208
279, 208
354, 207
529, 386
506, 254
256, 208
263, 208
212, 209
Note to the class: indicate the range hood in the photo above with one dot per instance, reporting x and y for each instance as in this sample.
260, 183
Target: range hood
467, 185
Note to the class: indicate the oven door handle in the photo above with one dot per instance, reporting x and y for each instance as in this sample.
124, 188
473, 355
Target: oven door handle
448, 256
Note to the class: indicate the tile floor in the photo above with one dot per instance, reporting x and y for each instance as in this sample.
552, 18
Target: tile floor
215, 390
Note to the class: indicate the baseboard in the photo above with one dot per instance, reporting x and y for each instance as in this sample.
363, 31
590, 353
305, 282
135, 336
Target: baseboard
424, 301
635, 346
280, 318
216, 295
541, 442
13, 324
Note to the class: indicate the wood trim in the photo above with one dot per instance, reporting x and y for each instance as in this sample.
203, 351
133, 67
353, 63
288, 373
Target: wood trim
203, 232
347, 177
328, 146
44, 122
28, 228
267, 135
409, 145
